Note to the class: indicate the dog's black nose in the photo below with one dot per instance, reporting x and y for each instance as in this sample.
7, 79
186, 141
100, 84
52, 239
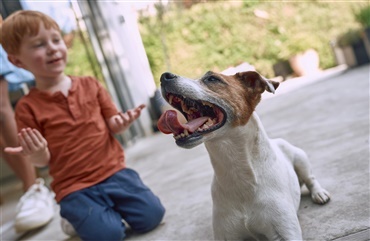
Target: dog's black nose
167, 76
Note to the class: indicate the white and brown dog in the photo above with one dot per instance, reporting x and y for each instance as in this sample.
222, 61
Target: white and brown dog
256, 184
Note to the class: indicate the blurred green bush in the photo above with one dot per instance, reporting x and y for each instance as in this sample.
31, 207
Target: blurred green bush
362, 15
81, 58
217, 35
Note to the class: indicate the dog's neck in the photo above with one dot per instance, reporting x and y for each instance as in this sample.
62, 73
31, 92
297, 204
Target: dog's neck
240, 151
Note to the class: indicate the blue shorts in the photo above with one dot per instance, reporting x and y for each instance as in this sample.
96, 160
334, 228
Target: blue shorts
96, 212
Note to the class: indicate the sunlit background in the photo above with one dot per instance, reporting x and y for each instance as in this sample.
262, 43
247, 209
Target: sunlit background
127, 45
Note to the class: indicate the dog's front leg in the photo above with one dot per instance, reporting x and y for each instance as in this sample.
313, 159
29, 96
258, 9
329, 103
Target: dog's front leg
222, 236
223, 228
285, 228
221, 233
302, 167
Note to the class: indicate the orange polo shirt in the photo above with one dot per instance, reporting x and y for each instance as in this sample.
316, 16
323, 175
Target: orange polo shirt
83, 151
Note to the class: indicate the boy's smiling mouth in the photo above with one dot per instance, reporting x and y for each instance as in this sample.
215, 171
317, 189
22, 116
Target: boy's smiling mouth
54, 61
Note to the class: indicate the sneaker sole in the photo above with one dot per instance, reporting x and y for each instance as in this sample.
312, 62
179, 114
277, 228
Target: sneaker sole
19, 228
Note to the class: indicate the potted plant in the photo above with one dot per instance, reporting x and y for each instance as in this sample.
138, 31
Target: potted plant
345, 50
305, 63
362, 16
304, 60
353, 47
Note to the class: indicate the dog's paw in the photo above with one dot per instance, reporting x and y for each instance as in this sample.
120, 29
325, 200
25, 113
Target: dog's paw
320, 196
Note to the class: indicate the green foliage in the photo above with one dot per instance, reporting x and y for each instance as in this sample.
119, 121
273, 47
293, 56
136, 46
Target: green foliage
250, 3
80, 63
348, 38
362, 16
217, 35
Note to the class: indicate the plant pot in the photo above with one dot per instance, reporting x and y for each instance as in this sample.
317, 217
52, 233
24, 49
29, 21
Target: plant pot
353, 48
306, 63
360, 52
349, 56
282, 68
366, 39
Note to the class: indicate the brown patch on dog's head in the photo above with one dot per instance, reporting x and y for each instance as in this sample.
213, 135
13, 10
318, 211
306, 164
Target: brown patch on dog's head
242, 91
257, 82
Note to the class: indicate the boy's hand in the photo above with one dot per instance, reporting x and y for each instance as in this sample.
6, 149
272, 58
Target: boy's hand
119, 123
32, 145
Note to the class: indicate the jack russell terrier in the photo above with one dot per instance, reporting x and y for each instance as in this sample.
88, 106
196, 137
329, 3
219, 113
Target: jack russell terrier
256, 184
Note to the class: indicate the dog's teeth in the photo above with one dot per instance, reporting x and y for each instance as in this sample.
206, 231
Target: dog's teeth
184, 106
170, 98
207, 104
192, 109
184, 134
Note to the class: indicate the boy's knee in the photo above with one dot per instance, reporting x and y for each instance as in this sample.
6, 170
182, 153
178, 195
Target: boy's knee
113, 233
103, 233
150, 219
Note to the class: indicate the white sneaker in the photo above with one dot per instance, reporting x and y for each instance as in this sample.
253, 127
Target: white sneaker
67, 227
35, 208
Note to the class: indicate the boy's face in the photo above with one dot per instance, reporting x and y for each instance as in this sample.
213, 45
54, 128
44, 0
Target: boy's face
45, 54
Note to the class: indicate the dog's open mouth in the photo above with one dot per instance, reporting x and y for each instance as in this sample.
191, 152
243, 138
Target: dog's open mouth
202, 117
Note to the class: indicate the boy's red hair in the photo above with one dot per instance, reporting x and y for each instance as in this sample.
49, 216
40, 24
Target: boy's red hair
23, 23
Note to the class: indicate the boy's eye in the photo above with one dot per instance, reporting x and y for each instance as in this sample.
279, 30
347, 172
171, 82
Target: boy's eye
56, 40
36, 45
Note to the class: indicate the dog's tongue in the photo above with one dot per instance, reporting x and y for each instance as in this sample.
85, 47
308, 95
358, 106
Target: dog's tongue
168, 123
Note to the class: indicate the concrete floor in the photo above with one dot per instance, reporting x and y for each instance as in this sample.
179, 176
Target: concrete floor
327, 116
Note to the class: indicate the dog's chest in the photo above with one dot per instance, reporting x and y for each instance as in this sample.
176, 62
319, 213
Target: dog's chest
241, 214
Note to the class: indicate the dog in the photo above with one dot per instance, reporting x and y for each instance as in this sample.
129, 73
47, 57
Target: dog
257, 180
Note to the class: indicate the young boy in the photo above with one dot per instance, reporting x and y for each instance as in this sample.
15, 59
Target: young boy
36, 206
68, 123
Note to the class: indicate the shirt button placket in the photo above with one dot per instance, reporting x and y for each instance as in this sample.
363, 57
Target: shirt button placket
73, 108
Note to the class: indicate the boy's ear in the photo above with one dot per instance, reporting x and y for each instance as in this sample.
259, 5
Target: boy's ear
14, 60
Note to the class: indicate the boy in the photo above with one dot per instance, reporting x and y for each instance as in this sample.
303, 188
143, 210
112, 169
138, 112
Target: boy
68, 123
36, 206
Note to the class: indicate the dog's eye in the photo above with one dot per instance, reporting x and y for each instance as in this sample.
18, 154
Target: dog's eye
212, 79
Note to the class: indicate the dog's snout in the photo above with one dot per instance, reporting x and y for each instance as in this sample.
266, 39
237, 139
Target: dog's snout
167, 76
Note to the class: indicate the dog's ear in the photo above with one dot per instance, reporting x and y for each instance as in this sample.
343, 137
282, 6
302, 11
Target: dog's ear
257, 82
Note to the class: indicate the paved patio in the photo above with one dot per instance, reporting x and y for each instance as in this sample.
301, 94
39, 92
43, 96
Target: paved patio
327, 116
